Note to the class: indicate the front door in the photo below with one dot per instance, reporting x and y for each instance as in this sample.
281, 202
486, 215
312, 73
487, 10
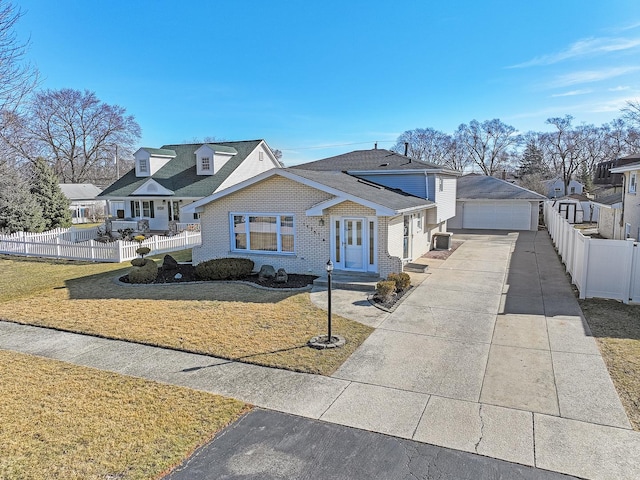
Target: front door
352, 235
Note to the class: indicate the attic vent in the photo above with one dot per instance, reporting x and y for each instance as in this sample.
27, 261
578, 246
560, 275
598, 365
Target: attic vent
370, 184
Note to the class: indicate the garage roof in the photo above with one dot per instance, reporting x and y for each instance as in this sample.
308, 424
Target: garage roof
481, 187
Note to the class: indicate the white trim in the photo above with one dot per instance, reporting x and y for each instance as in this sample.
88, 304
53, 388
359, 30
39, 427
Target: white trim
318, 209
426, 171
626, 168
279, 233
143, 189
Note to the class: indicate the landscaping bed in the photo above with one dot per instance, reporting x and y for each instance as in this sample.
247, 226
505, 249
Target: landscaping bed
185, 272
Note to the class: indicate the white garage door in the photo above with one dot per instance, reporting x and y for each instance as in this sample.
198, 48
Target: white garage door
497, 215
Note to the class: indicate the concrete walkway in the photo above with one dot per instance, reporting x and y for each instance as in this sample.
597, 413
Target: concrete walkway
489, 355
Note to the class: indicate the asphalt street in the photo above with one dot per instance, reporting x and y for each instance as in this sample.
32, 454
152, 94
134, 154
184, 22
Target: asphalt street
268, 445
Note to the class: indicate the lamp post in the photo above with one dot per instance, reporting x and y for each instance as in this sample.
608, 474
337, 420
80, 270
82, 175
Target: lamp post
329, 270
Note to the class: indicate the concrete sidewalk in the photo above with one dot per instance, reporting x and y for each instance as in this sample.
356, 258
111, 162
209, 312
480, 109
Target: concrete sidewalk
488, 355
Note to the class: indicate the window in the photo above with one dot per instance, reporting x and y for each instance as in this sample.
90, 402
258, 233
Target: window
263, 233
143, 166
573, 189
260, 156
206, 163
633, 183
147, 209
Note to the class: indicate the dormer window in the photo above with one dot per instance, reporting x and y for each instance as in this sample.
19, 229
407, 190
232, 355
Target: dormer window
143, 167
206, 164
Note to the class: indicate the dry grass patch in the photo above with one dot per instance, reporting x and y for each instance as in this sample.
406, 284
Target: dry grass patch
616, 327
61, 421
227, 320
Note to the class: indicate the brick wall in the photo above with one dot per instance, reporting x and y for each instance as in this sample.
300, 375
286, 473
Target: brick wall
279, 195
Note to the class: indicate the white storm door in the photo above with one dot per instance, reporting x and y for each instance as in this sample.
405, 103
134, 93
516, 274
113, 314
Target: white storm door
353, 241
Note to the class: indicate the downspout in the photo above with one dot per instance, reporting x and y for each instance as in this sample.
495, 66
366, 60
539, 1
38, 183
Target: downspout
426, 185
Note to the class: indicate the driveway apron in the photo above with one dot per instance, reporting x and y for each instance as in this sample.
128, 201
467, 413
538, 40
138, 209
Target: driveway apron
495, 344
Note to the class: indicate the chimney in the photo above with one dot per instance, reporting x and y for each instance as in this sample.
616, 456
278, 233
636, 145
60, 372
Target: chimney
406, 148
504, 174
375, 146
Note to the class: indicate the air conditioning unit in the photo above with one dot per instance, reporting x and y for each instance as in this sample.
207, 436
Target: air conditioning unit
442, 240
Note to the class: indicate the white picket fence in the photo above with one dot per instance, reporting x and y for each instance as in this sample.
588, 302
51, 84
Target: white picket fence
599, 268
79, 244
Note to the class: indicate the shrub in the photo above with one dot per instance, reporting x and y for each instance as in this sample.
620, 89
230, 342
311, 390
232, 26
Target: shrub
224, 268
385, 290
402, 280
146, 273
138, 262
142, 251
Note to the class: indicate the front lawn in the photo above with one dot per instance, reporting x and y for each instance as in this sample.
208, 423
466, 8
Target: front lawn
227, 320
61, 421
616, 327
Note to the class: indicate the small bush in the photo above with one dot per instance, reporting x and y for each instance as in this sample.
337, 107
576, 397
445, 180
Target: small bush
385, 290
142, 251
224, 268
138, 262
402, 280
146, 273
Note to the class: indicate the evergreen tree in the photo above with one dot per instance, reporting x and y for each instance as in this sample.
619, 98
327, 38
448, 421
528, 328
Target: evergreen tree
19, 210
46, 190
532, 162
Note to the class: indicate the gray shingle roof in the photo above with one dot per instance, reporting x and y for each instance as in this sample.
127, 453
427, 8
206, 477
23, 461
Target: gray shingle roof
611, 199
179, 174
80, 191
160, 151
481, 187
391, 198
362, 160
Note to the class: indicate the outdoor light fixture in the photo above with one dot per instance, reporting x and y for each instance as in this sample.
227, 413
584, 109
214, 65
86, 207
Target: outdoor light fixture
329, 340
321, 223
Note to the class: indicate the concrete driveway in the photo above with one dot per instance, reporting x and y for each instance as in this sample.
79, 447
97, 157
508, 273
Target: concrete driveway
490, 354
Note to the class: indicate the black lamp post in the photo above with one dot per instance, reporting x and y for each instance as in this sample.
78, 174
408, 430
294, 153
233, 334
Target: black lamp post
329, 270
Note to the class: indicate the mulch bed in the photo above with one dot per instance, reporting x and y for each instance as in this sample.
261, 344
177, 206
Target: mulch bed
188, 274
394, 300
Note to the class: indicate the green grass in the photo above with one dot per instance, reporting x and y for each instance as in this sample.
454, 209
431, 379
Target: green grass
227, 320
616, 327
61, 421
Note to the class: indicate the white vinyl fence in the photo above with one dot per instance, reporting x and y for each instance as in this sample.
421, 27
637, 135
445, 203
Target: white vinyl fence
599, 268
79, 244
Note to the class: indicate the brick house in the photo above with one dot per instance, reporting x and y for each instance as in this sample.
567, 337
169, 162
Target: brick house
368, 211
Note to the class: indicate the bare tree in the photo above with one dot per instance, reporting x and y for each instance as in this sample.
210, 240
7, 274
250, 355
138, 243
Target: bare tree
17, 78
76, 133
488, 144
424, 144
632, 112
564, 147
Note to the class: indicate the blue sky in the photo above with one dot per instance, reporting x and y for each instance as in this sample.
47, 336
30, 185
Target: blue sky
320, 78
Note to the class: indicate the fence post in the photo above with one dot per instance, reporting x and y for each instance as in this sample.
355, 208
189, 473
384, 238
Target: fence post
628, 274
582, 292
58, 247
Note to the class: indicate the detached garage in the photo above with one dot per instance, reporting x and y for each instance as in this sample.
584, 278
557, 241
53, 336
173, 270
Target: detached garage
490, 203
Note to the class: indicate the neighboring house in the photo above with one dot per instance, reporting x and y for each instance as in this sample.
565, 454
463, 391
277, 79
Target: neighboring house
166, 179
490, 203
609, 215
367, 211
555, 187
606, 178
84, 206
577, 208
630, 222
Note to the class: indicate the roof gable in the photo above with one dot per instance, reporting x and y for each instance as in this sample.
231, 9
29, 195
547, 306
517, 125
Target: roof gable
151, 187
385, 201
